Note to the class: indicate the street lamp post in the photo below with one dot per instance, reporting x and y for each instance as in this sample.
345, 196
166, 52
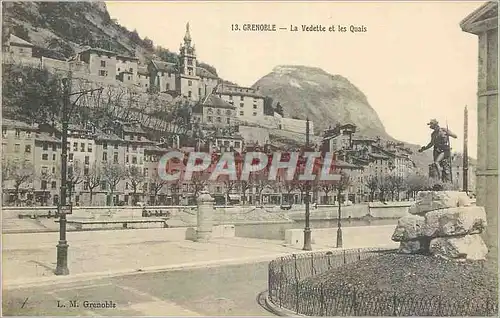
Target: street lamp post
339, 222
62, 246
307, 230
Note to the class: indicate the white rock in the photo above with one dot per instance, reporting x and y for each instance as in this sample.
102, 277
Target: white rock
435, 200
455, 221
408, 228
469, 247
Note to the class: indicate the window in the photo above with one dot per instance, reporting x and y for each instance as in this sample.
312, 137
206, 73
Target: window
17, 147
209, 119
199, 91
146, 171
134, 147
85, 186
104, 145
169, 74
228, 121
45, 156
126, 185
75, 146
254, 106
226, 143
118, 69
218, 119
126, 159
230, 97
28, 134
241, 113
82, 147
103, 185
254, 113
27, 148
131, 70
53, 184
115, 157
103, 73
89, 147
70, 158
105, 156
103, 63
168, 86
228, 112
53, 169
116, 146
190, 83
189, 94
134, 160
237, 144
45, 146
44, 185
4, 132
18, 133
129, 78
86, 171
241, 98
53, 157
242, 104
87, 160
54, 147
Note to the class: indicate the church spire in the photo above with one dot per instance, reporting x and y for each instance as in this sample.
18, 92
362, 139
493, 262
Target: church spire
187, 37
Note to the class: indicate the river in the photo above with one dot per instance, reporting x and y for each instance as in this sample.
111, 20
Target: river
276, 231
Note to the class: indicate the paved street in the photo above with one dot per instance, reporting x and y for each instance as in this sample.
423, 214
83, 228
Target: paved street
228, 290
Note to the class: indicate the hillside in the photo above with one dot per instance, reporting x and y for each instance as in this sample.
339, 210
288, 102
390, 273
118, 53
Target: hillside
327, 99
60, 29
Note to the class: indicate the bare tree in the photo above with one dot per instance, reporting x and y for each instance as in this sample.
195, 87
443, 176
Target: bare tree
112, 174
92, 180
245, 185
156, 185
135, 176
372, 184
74, 176
198, 182
20, 173
45, 177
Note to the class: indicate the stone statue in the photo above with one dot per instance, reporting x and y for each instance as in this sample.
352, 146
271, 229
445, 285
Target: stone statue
441, 142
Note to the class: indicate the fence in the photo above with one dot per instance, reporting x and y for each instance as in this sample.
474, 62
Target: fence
288, 290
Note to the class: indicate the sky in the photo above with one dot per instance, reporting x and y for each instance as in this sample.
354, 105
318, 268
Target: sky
413, 63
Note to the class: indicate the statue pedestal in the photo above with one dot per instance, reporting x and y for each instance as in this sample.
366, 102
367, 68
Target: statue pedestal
204, 217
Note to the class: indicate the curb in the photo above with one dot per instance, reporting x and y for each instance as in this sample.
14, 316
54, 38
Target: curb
54, 280
276, 310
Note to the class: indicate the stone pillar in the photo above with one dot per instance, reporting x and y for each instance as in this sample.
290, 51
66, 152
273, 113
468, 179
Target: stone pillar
204, 217
484, 23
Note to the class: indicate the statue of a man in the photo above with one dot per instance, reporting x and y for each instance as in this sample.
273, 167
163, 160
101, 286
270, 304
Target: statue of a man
441, 142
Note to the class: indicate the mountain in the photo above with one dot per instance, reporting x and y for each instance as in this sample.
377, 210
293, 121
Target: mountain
327, 99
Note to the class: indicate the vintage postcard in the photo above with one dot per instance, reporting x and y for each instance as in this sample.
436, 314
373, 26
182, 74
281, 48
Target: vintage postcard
249, 158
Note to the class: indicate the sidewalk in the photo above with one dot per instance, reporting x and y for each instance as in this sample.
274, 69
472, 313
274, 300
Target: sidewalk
28, 262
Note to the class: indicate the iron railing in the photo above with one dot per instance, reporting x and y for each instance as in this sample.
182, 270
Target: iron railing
288, 290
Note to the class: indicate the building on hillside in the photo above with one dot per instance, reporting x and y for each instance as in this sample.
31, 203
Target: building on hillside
143, 77
292, 124
19, 47
339, 138
126, 69
223, 142
248, 102
212, 111
101, 63
457, 165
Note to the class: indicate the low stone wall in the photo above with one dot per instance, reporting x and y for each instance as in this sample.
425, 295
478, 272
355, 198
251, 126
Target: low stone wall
353, 237
50, 239
389, 210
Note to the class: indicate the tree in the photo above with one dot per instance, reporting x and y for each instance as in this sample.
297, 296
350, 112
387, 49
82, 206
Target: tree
372, 185
20, 173
92, 180
342, 185
74, 177
229, 185
112, 174
30, 94
279, 109
416, 183
208, 67
198, 182
268, 106
135, 176
245, 185
383, 187
156, 185
326, 187
45, 178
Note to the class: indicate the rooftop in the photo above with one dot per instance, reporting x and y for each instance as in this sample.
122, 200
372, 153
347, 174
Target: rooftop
12, 123
217, 102
46, 137
164, 66
18, 41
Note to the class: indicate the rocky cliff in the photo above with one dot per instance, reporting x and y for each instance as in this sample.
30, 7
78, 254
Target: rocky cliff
327, 99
